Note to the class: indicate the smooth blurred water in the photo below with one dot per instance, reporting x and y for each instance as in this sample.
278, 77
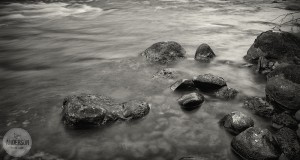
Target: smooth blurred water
52, 49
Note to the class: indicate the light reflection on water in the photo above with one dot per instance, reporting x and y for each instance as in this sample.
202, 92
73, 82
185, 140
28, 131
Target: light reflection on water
51, 50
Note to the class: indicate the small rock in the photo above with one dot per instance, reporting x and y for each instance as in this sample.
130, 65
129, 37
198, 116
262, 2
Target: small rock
164, 52
204, 53
284, 120
255, 144
209, 82
259, 106
226, 93
297, 115
288, 142
191, 101
183, 84
236, 122
167, 73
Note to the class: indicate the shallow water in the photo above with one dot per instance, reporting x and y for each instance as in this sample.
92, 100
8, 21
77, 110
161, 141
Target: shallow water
52, 49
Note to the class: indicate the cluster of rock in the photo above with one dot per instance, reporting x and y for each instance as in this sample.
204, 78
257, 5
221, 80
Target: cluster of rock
270, 49
96, 110
277, 56
170, 52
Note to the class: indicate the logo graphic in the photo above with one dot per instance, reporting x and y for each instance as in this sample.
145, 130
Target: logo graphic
17, 142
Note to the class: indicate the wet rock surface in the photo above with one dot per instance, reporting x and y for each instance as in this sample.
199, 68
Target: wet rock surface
191, 101
271, 47
283, 87
284, 120
164, 52
226, 93
96, 110
259, 106
289, 143
183, 85
236, 122
255, 144
209, 82
167, 73
204, 53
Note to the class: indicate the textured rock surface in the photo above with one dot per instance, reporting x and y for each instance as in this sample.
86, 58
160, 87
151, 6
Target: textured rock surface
226, 93
275, 46
259, 106
204, 53
183, 85
289, 143
93, 110
191, 101
164, 52
167, 73
236, 122
283, 87
256, 144
209, 82
284, 120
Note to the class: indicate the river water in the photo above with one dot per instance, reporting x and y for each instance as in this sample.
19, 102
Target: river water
52, 49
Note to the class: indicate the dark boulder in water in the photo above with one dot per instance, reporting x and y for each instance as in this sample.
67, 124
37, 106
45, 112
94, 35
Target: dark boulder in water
96, 110
183, 85
204, 53
191, 101
284, 120
283, 87
256, 144
273, 48
164, 52
289, 143
259, 106
226, 93
209, 82
236, 122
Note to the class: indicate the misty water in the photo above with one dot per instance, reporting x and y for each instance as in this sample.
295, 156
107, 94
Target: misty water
52, 49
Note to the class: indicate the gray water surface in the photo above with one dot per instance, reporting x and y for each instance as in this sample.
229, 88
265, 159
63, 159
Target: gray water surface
52, 49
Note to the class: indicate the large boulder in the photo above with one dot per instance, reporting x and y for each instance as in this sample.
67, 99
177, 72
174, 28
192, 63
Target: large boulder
164, 52
259, 106
204, 53
272, 48
283, 87
96, 110
289, 143
284, 120
236, 122
255, 144
209, 82
191, 101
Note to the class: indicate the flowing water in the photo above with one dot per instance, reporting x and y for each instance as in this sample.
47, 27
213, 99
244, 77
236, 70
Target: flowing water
52, 49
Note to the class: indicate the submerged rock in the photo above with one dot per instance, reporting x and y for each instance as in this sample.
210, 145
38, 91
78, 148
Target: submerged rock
135, 109
95, 110
183, 85
289, 143
236, 122
297, 115
284, 120
167, 73
283, 87
191, 101
209, 82
274, 47
164, 52
226, 93
259, 106
204, 53
255, 144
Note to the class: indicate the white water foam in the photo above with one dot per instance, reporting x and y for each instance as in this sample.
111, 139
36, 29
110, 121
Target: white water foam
48, 10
